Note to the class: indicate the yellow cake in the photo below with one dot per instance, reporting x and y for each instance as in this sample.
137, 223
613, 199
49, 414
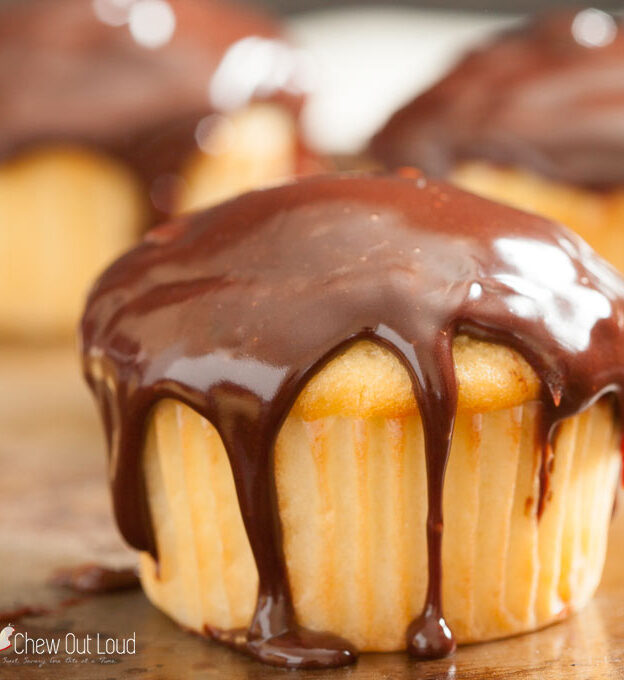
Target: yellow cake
361, 413
352, 494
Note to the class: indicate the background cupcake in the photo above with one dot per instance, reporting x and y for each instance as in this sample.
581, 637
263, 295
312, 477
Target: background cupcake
115, 114
533, 118
284, 378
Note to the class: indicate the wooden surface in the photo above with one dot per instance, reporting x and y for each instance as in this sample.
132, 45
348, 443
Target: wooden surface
55, 512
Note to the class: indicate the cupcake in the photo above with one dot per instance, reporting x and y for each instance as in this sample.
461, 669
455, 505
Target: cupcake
533, 119
115, 115
361, 413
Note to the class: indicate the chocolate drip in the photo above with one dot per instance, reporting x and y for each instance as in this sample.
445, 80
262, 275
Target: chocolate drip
548, 96
95, 579
83, 73
233, 310
19, 613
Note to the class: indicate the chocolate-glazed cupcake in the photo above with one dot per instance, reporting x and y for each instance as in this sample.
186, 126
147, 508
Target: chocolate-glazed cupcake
361, 413
115, 114
534, 118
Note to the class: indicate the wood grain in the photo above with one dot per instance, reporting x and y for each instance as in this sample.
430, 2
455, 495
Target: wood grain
55, 511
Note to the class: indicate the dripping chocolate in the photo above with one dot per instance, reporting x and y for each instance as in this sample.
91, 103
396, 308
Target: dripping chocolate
232, 310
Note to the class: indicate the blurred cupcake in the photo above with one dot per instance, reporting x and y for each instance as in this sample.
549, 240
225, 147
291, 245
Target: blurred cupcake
534, 118
284, 378
117, 113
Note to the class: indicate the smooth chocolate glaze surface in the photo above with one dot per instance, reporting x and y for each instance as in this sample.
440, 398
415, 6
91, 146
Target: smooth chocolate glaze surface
231, 311
137, 80
548, 96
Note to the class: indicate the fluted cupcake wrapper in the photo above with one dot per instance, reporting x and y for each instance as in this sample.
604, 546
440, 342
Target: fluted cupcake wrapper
353, 501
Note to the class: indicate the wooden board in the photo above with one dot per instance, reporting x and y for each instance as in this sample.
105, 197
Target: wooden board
55, 511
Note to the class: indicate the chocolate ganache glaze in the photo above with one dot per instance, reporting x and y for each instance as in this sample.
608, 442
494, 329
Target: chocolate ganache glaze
232, 310
139, 79
548, 96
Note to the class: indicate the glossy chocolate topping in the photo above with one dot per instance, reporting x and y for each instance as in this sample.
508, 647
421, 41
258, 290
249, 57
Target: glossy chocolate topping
232, 310
548, 96
134, 78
